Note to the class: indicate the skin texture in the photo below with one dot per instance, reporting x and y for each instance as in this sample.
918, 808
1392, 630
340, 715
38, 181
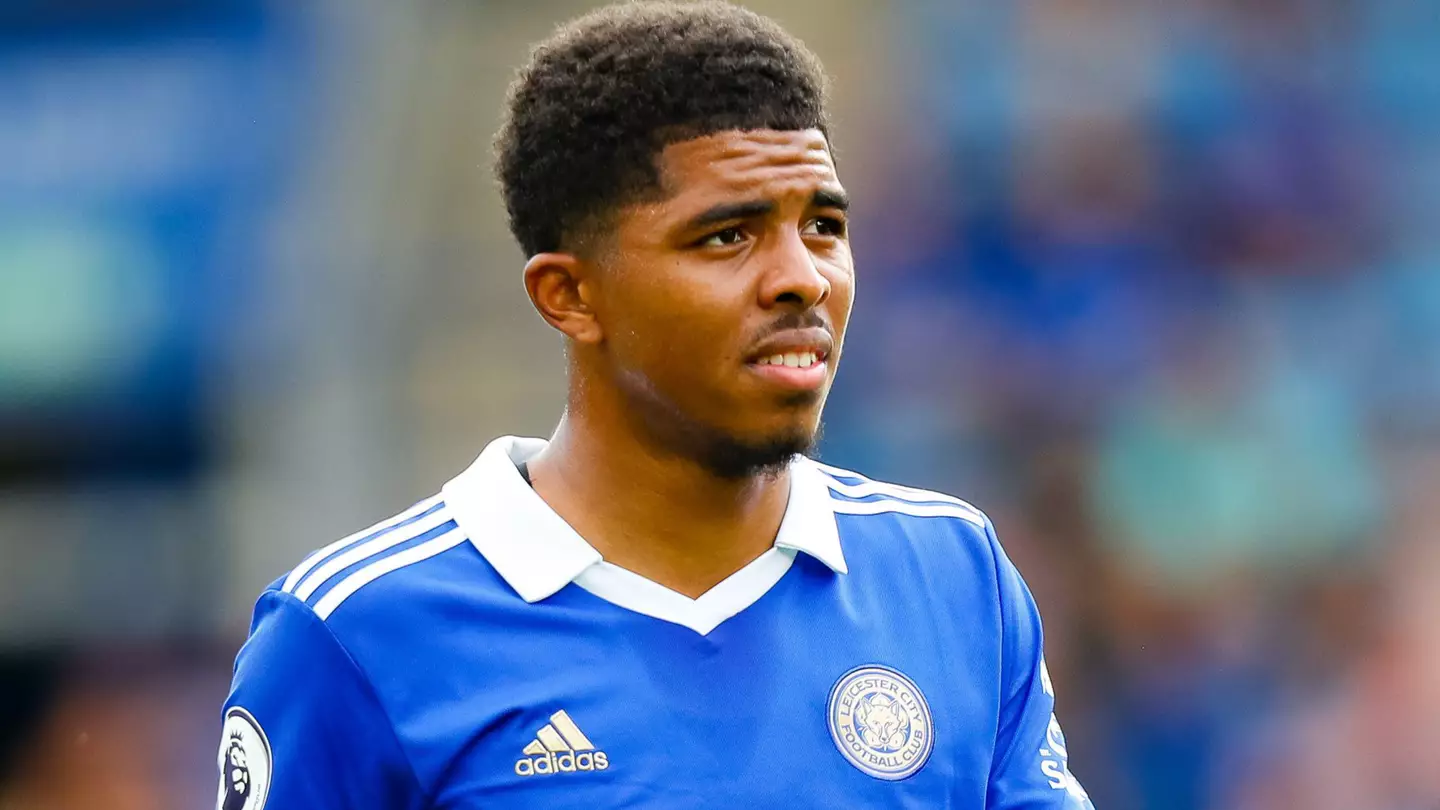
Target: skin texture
666, 415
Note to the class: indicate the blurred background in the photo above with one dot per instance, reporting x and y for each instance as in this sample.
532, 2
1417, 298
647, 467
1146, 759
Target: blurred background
1155, 284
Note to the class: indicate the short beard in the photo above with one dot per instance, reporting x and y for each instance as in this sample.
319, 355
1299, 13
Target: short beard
722, 454
730, 458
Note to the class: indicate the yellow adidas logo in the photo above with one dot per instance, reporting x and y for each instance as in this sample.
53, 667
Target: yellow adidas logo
560, 747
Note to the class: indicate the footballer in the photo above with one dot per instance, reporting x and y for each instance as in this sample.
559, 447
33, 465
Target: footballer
666, 604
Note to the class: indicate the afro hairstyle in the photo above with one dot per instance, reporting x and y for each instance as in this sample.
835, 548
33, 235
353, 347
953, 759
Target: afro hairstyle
587, 117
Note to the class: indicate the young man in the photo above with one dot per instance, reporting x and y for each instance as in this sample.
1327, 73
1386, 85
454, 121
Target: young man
665, 605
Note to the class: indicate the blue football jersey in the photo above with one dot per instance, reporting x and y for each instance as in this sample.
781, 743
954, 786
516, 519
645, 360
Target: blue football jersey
475, 652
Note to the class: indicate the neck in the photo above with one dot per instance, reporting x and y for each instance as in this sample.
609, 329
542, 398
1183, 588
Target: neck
657, 514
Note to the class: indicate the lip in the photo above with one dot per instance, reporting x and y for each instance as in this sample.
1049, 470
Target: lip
794, 340
808, 378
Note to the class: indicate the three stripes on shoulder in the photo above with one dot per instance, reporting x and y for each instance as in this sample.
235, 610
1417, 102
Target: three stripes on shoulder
350, 563
426, 529
858, 495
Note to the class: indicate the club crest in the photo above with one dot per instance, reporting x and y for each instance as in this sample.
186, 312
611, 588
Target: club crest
880, 722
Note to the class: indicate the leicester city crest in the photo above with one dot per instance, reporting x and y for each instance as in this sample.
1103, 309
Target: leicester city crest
881, 722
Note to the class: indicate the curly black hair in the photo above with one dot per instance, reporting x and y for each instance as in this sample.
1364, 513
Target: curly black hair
587, 117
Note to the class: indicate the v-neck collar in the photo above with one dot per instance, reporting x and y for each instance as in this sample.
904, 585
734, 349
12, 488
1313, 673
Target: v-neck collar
538, 553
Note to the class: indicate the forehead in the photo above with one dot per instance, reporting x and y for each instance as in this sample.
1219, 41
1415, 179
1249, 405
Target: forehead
768, 162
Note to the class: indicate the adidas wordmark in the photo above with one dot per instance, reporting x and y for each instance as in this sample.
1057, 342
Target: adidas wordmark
560, 747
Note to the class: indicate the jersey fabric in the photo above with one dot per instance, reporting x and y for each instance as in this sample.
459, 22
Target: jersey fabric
475, 652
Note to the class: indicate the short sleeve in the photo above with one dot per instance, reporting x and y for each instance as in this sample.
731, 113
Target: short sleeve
303, 729
1030, 770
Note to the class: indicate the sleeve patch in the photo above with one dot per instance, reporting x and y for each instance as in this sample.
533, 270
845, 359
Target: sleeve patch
245, 763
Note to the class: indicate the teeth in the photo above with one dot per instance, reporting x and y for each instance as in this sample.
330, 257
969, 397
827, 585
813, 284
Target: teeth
791, 359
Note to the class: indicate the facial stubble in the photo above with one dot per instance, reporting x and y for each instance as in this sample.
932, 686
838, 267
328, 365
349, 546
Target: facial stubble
721, 452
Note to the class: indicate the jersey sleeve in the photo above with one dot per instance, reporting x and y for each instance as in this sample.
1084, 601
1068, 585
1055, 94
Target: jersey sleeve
303, 728
1030, 770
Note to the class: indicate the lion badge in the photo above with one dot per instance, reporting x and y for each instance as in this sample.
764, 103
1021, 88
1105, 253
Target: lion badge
244, 761
880, 722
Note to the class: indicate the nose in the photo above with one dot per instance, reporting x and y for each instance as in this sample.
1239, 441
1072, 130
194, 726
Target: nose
792, 276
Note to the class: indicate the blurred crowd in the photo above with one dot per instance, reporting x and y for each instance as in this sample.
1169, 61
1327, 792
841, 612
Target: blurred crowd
1153, 284
1157, 285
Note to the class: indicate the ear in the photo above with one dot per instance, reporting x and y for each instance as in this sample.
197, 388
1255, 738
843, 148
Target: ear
562, 288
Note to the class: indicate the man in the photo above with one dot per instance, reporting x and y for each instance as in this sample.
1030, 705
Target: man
666, 605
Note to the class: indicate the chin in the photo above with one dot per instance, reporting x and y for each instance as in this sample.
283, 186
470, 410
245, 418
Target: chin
738, 439
805, 400
731, 455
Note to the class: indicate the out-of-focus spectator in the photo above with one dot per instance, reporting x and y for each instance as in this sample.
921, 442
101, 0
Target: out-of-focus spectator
130, 730
1365, 736
1156, 285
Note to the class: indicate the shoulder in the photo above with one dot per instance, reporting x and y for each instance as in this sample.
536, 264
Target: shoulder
892, 523
931, 522
852, 493
380, 573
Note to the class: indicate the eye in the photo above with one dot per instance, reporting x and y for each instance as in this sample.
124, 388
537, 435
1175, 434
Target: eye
825, 226
726, 238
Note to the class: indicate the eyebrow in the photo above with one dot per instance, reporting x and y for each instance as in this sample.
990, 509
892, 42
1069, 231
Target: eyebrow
729, 211
725, 212
830, 198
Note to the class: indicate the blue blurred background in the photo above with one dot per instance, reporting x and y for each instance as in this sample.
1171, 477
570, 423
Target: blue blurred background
1156, 285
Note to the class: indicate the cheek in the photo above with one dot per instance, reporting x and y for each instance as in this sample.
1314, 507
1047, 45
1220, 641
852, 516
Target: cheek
674, 328
842, 298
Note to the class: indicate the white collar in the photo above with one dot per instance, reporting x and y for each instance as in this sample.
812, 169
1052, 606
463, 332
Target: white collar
538, 553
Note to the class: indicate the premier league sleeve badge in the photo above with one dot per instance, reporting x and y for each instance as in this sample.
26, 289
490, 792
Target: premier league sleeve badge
245, 763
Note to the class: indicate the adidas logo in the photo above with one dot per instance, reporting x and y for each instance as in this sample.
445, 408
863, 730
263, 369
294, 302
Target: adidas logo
560, 747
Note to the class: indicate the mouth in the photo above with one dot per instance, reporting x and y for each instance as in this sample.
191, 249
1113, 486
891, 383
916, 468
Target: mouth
795, 361
799, 359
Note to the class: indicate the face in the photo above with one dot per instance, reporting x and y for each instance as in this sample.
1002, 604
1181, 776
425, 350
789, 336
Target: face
723, 305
